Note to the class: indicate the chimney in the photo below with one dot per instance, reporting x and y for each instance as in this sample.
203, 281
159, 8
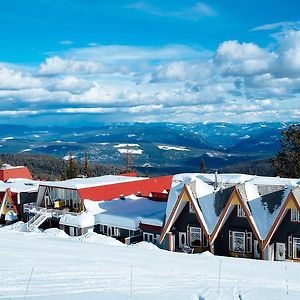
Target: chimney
216, 180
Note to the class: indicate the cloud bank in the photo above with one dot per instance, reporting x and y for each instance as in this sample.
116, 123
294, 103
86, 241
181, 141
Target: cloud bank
238, 82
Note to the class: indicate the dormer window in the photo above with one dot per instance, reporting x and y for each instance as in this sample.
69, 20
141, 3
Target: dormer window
295, 215
240, 211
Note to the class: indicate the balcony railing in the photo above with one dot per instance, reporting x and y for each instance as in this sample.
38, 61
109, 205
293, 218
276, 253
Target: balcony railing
32, 208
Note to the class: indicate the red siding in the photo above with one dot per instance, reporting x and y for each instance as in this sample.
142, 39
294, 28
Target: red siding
112, 191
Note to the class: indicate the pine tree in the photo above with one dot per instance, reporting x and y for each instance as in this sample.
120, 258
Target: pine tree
287, 160
71, 169
202, 167
86, 167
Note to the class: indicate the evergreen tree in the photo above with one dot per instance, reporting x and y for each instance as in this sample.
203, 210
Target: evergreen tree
72, 169
86, 166
287, 160
202, 167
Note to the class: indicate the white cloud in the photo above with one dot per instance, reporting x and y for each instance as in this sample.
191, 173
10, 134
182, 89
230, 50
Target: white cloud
66, 42
71, 83
238, 59
240, 81
279, 25
287, 61
11, 79
195, 12
116, 54
57, 65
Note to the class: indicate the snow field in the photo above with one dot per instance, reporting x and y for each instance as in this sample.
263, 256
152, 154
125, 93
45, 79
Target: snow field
64, 268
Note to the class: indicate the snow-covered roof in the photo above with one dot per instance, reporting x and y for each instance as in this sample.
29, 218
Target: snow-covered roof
80, 183
235, 178
264, 195
265, 202
20, 185
127, 213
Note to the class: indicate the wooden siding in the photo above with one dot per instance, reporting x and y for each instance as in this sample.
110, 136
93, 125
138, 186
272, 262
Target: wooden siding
235, 223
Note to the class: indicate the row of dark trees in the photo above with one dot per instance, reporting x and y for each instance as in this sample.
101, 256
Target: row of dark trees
47, 167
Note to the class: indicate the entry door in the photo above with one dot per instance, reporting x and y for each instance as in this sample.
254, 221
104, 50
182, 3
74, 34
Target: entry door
280, 251
271, 252
182, 239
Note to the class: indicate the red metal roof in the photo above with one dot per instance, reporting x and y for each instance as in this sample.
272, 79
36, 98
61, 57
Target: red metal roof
15, 172
112, 191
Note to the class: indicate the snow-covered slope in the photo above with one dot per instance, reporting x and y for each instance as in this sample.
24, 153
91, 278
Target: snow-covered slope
65, 268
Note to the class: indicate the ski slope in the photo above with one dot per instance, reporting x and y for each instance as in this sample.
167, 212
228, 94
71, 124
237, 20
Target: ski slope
97, 267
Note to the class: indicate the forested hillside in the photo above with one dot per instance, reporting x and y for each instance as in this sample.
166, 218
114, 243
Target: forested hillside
52, 168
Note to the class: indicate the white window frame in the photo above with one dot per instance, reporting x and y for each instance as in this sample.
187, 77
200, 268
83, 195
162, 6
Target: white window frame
240, 211
149, 237
112, 231
249, 242
295, 215
296, 241
290, 246
191, 208
195, 231
232, 236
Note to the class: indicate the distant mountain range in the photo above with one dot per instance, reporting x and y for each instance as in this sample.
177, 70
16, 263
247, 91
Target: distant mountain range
156, 148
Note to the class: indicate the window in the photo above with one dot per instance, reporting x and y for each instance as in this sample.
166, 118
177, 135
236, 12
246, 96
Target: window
195, 236
290, 245
240, 211
205, 242
113, 231
192, 210
237, 241
149, 237
296, 248
295, 215
249, 242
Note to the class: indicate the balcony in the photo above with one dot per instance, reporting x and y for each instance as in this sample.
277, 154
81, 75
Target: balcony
32, 208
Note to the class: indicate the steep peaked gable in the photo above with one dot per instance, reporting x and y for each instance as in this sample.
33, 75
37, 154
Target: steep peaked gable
292, 200
264, 202
186, 196
8, 198
235, 199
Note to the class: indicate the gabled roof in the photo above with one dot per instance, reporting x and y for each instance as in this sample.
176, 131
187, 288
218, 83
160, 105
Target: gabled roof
264, 202
207, 201
236, 197
291, 199
8, 171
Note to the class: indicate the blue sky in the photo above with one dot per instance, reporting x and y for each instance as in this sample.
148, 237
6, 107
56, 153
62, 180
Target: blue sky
179, 61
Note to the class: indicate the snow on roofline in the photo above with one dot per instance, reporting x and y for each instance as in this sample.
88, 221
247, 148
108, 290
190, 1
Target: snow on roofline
10, 167
81, 183
236, 178
20, 185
